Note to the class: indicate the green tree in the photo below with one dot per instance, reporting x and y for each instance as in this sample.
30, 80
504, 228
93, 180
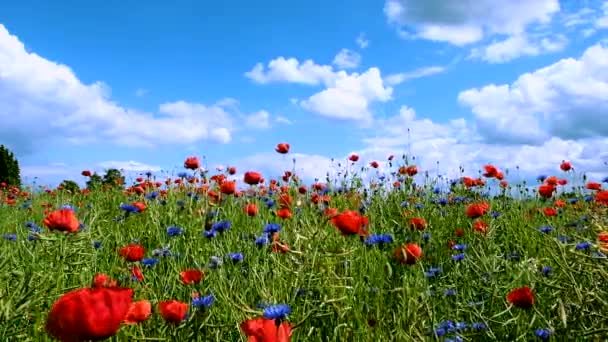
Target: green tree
113, 177
94, 181
70, 185
9, 168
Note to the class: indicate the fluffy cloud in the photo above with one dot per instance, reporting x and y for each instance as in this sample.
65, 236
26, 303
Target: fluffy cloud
260, 120
292, 71
399, 78
43, 100
602, 22
518, 45
467, 21
361, 41
347, 59
566, 100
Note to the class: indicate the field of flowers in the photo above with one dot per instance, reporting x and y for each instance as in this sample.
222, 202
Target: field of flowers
196, 258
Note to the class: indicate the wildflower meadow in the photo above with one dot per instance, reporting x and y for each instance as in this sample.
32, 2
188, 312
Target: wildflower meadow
204, 256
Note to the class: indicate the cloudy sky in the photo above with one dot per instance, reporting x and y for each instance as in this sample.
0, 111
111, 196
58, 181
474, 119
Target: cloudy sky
140, 87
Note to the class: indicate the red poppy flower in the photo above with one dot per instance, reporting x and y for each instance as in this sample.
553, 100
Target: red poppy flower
411, 170
139, 311
284, 200
232, 170
302, 189
280, 247
252, 178
459, 232
228, 187
476, 210
350, 222
553, 180
491, 171
103, 280
86, 173
353, 157
562, 182
192, 163
284, 213
374, 164
63, 220
468, 182
140, 205
282, 148
522, 297
88, 314
602, 197
133, 252
173, 311
330, 212
480, 226
565, 166
418, 223
546, 190
500, 175
191, 276
408, 254
550, 211
266, 330
593, 186
137, 273
503, 184
602, 236
560, 203
251, 209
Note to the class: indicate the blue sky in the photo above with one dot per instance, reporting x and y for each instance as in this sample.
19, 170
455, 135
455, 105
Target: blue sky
120, 83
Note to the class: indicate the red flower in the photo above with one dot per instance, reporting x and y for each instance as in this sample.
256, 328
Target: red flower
140, 205
282, 148
503, 184
285, 200
546, 190
491, 171
232, 170
602, 236
103, 280
594, 186
63, 220
251, 209
522, 297
459, 232
86, 173
374, 164
88, 314
411, 170
560, 203
284, 213
500, 175
331, 212
480, 226
192, 163
476, 210
602, 197
138, 312
350, 222
279, 247
562, 182
228, 187
266, 330
408, 254
550, 211
137, 273
353, 157
191, 276
302, 189
133, 252
173, 311
565, 166
252, 178
418, 223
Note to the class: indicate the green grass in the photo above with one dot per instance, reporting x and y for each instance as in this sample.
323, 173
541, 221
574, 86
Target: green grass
353, 292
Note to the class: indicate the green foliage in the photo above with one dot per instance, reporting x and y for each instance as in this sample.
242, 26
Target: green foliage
9, 168
70, 185
113, 178
94, 181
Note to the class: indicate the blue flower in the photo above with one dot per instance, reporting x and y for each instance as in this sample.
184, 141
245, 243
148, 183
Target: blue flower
447, 326
378, 239
149, 262
460, 247
479, 326
432, 272
67, 206
461, 326
426, 236
458, 257
572, 200
10, 237
450, 292
599, 255
584, 245
182, 175
33, 227
563, 238
129, 208
419, 206
455, 339
221, 226
162, 252
215, 262
272, 228
404, 204
204, 302
235, 257
546, 270
605, 180
541, 178
545, 229
152, 195
589, 198
261, 241
96, 244
269, 203
174, 231
279, 311
543, 334
32, 237
209, 233
496, 214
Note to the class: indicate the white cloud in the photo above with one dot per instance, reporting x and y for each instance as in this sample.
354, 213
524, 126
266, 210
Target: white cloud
269, 164
399, 78
467, 21
130, 165
291, 70
42, 99
283, 120
516, 46
566, 99
602, 22
347, 59
259, 119
361, 41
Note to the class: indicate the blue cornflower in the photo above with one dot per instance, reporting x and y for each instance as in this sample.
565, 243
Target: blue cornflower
261, 241
182, 175
209, 233
215, 262
10, 237
442, 201
563, 238
448, 326
546, 270
67, 206
572, 200
437, 190
204, 302
426, 236
455, 339
543, 334
405, 204
545, 229
129, 208
432, 272
605, 180
461, 325
479, 326
419, 206
164, 251
26, 205
269, 203
33, 227
235, 257
149, 262
221, 226
32, 237
279, 311
541, 178
460, 247
589, 198
440, 332
174, 231
496, 214
96, 244
272, 228
378, 239
152, 195
458, 257
584, 245
450, 292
